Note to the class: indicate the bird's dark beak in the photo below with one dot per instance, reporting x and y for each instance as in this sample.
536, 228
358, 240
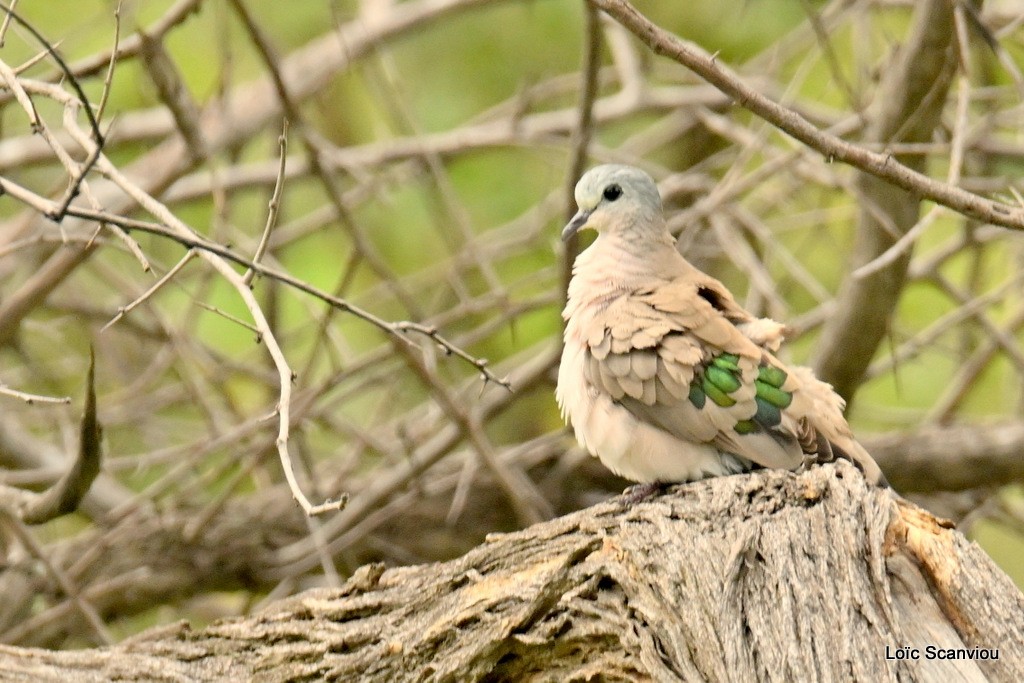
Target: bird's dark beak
577, 222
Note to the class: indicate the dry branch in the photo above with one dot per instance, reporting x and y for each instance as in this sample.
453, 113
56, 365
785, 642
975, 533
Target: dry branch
882, 165
769, 576
190, 500
225, 555
65, 494
907, 108
952, 458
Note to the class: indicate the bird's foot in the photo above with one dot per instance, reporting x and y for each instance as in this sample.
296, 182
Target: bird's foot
641, 492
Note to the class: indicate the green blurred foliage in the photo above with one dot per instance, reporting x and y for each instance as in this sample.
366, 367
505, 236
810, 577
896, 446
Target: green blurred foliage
439, 87
433, 80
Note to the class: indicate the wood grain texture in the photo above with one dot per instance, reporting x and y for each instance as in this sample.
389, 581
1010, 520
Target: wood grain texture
767, 576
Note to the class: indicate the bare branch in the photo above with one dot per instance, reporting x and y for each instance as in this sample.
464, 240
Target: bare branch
193, 241
907, 107
33, 398
66, 493
883, 166
583, 129
274, 206
428, 228
174, 94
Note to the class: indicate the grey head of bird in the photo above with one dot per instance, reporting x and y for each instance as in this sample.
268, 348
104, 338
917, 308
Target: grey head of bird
615, 198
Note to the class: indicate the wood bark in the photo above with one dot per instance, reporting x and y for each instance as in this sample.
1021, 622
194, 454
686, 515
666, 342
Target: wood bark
228, 554
769, 577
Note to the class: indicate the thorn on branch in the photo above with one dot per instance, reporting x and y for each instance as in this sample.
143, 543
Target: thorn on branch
32, 399
397, 329
64, 496
76, 183
329, 505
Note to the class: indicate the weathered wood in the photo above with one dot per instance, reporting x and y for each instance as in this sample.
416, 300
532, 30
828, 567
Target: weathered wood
225, 555
769, 576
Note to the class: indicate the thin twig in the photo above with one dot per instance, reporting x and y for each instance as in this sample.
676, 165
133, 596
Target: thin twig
274, 206
6, 23
831, 147
79, 602
583, 129
124, 310
32, 398
108, 80
956, 161
94, 124
199, 243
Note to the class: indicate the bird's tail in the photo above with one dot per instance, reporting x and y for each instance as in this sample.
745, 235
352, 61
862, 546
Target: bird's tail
850, 449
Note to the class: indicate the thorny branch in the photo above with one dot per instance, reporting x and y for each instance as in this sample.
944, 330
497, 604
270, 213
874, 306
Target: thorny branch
195, 226
175, 95
194, 241
880, 164
583, 130
64, 495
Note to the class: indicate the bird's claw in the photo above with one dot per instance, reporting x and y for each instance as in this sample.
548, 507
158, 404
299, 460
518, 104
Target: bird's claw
641, 492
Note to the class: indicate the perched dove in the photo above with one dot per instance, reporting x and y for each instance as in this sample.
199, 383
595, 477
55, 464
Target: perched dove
664, 377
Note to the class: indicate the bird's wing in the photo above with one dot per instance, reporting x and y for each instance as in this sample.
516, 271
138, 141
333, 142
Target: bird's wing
684, 356
674, 357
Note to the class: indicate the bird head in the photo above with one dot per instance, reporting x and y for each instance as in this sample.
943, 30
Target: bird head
615, 197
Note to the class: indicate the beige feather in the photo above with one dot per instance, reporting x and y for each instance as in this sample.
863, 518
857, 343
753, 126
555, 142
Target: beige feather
641, 326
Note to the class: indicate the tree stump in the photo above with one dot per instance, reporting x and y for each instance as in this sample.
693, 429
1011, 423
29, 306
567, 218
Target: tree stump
770, 576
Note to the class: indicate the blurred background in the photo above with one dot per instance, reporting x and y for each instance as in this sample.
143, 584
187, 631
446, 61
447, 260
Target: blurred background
418, 202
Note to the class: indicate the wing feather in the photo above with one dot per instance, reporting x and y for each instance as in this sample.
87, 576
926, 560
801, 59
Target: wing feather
653, 348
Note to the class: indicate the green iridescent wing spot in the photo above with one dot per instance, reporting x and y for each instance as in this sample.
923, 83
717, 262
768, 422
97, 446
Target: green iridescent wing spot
767, 414
717, 394
722, 379
772, 395
770, 400
697, 396
727, 361
771, 375
746, 427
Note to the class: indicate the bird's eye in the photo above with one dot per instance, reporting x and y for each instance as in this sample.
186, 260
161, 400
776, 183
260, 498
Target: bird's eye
612, 192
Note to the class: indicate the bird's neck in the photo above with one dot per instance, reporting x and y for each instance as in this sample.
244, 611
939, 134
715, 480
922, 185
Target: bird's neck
617, 263
624, 256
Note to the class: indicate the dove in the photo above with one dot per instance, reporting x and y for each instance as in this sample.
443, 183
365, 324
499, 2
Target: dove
664, 376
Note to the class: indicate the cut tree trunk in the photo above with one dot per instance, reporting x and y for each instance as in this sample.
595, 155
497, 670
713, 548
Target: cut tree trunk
769, 576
